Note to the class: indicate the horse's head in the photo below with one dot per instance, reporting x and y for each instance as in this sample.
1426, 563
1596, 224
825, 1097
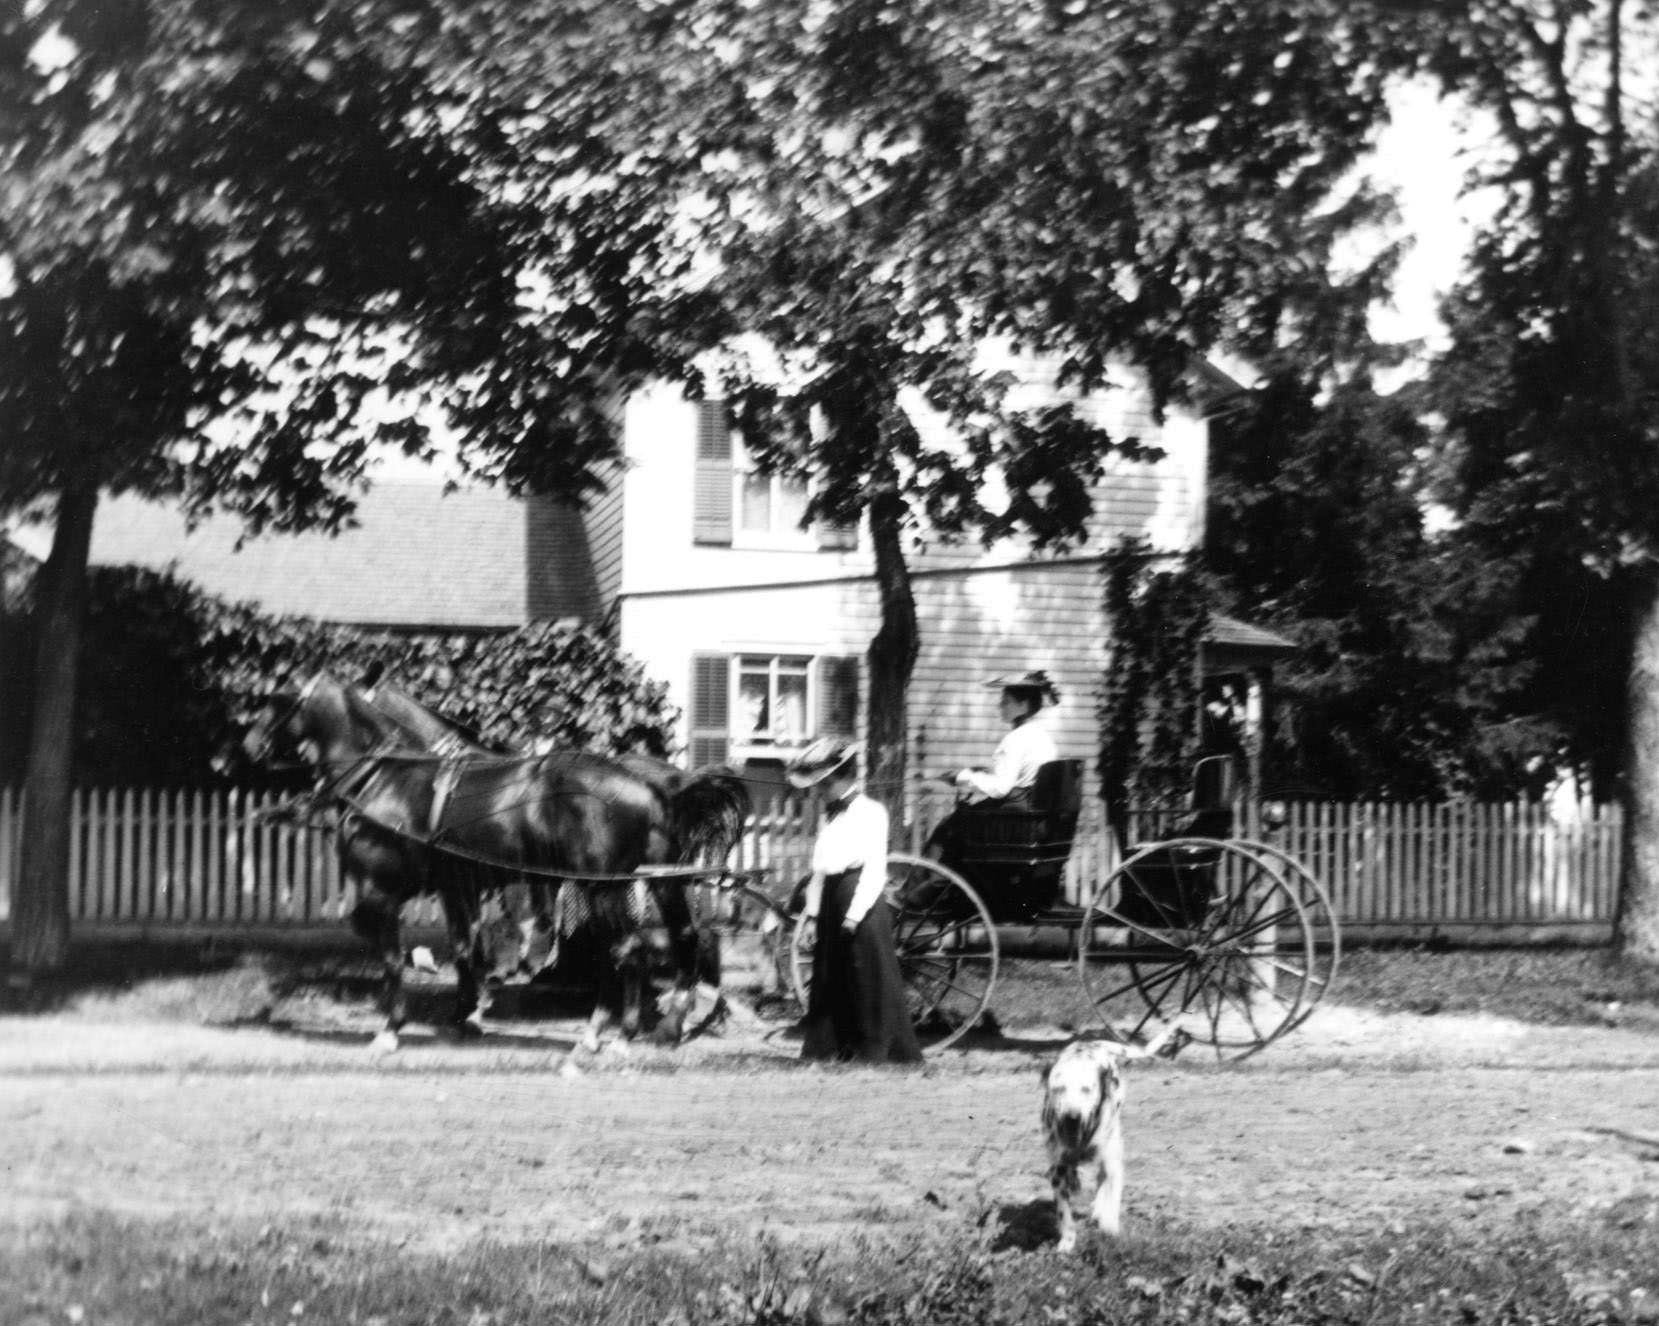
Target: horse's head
307, 724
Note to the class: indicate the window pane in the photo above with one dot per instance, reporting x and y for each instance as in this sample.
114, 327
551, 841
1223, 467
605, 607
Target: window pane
754, 710
791, 504
757, 503
791, 717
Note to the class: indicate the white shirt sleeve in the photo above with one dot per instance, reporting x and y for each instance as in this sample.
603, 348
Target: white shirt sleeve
873, 877
1018, 756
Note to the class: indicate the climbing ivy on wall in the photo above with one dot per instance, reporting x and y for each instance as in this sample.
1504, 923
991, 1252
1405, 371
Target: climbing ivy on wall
1156, 613
174, 677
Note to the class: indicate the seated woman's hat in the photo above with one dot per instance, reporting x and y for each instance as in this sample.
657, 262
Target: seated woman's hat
1036, 682
818, 760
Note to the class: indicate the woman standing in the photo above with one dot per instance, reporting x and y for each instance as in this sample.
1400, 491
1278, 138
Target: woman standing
856, 1007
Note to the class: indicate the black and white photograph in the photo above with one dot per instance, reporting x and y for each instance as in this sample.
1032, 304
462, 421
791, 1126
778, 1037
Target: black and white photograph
817, 662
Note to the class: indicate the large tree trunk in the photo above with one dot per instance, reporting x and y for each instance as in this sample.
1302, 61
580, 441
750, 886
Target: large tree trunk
1636, 929
40, 909
892, 654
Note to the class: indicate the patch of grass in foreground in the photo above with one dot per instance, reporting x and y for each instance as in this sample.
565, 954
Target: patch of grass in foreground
99, 1270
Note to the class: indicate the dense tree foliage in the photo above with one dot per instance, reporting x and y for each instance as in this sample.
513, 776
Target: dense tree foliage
174, 677
223, 229
1414, 673
1550, 389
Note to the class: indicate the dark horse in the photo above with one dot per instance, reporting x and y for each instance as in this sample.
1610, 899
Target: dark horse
465, 822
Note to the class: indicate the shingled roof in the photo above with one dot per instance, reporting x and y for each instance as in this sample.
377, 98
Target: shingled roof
419, 557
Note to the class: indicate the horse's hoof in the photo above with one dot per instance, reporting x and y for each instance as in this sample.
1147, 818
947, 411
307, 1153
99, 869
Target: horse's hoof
666, 1035
384, 1043
590, 1042
469, 1029
620, 1048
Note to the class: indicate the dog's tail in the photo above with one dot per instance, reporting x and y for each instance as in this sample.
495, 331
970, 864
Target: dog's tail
1169, 1040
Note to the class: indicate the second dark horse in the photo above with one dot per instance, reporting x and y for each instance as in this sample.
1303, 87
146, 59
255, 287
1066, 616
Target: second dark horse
458, 825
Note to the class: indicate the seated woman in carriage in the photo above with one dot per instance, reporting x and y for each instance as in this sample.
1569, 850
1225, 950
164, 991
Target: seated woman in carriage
988, 798
1008, 783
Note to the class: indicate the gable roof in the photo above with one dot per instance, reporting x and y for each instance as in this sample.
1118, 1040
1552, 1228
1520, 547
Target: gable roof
418, 557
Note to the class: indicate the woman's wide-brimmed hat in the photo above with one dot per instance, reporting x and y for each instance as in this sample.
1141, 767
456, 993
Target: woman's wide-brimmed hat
1036, 683
819, 760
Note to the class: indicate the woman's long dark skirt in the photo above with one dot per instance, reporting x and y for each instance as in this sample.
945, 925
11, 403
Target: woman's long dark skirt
856, 1008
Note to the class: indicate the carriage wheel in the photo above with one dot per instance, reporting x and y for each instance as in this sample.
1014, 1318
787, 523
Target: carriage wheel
947, 949
1205, 930
1316, 901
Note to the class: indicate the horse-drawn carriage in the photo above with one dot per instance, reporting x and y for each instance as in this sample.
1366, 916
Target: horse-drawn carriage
1230, 935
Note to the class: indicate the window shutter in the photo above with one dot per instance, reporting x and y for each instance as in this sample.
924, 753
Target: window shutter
710, 706
712, 495
837, 696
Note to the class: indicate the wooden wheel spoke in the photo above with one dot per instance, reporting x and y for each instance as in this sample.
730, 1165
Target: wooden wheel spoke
1150, 893
914, 940
1116, 992
1259, 927
1160, 938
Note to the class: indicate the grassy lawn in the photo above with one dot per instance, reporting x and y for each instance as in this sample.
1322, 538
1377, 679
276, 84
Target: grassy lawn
103, 1270
1600, 1268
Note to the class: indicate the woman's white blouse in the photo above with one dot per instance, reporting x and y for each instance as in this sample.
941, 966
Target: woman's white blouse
1018, 756
856, 838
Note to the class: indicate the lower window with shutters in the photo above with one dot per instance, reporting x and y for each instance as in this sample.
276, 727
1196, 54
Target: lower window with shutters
758, 709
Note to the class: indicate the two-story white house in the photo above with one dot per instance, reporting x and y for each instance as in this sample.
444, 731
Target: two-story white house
705, 574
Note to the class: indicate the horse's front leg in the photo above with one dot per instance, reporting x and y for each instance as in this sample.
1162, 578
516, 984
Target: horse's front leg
378, 919
628, 963
675, 909
471, 999
604, 996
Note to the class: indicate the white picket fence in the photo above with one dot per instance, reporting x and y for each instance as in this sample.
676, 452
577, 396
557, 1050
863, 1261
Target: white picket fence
161, 859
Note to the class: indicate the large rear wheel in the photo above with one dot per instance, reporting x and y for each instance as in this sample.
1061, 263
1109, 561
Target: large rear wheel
946, 945
1204, 930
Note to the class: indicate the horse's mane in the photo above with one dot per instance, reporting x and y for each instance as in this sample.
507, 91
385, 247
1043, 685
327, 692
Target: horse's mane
423, 724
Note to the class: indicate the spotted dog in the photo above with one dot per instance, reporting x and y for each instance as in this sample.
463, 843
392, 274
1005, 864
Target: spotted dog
1083, 1127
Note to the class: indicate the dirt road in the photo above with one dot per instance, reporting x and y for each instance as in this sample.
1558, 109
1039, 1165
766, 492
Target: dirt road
1355, 1124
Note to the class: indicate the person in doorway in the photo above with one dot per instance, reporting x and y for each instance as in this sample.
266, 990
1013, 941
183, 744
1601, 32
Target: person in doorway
856, 1005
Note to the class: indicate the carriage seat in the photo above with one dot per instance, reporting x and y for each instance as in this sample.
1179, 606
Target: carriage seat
1041, 835
1214, 787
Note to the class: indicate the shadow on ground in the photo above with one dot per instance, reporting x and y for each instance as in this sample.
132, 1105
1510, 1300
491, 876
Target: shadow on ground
1025, 1226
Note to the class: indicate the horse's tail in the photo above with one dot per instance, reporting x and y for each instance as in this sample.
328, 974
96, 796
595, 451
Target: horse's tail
710, 809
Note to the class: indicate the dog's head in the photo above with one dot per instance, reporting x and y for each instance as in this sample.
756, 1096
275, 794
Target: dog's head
1079, 1088
1086, 1083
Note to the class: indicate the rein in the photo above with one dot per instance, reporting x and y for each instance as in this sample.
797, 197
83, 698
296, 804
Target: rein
721, 876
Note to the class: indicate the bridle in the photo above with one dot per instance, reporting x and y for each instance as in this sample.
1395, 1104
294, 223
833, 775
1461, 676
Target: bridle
270, 726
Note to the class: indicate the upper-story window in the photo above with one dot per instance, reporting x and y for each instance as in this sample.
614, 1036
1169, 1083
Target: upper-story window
735, 505
771, 506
